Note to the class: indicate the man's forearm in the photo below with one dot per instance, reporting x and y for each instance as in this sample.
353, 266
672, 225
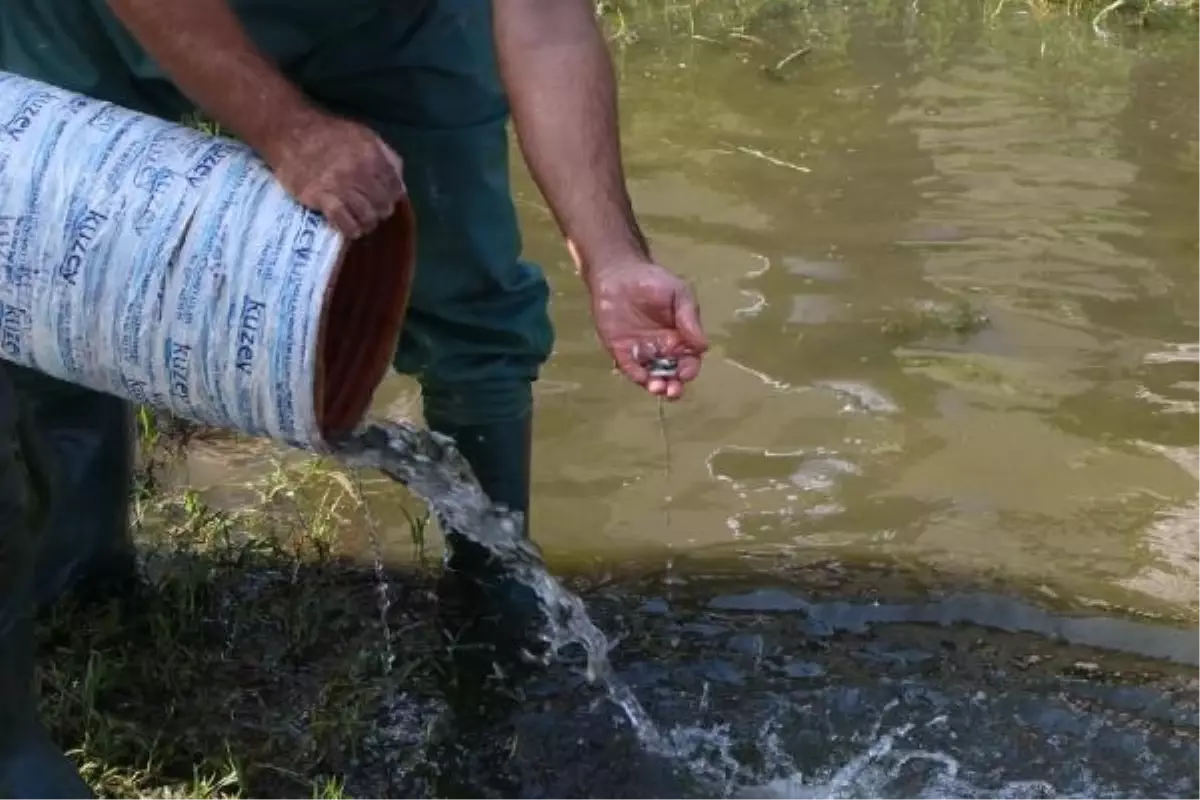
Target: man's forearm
204, 48
559, 80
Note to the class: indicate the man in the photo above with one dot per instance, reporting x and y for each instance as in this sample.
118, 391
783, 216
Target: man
334, 94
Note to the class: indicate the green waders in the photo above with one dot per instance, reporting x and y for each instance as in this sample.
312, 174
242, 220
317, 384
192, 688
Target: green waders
423, 74
30, 763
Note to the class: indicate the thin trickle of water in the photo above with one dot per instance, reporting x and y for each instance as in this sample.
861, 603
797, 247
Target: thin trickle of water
666, 439
383, 589
431, 467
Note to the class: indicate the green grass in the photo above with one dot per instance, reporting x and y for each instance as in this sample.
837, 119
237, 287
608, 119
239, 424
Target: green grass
748, 19
1109, 16
256, 667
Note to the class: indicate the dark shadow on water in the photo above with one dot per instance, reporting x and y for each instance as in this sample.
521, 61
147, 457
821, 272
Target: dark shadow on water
766, 685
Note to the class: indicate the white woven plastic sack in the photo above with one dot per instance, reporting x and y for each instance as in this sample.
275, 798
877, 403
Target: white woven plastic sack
152, 261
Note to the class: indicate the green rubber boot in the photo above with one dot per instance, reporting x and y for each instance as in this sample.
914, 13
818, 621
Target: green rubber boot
30, 763
484, 607
85, 442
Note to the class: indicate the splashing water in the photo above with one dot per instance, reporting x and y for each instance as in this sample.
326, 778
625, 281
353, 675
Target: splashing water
430, 466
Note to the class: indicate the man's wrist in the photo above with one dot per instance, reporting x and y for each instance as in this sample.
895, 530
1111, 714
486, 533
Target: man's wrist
205, 49
610, 259
602, 253
274, 134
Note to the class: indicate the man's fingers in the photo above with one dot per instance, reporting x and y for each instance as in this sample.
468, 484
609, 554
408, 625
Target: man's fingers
357, 212
363, 209
340, 216
689, 368
667, 388
382, 202
687, 321
630, 367
385, 189
394, 176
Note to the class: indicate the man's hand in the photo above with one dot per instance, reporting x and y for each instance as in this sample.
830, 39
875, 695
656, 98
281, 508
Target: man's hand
327, 163
339, 168
558, 75
643, 311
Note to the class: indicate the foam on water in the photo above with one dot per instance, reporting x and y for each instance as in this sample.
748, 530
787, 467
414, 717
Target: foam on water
884, 767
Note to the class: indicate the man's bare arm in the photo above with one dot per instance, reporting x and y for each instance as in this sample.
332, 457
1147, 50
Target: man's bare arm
559, 79
204, 48
341, 168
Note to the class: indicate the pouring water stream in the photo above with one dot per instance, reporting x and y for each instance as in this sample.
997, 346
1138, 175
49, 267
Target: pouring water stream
430, 466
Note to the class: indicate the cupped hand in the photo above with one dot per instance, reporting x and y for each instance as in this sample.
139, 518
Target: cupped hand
339, 168
642, 312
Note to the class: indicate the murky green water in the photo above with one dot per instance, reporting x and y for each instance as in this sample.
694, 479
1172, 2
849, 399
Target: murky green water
1020, 171
948, 257
948, 260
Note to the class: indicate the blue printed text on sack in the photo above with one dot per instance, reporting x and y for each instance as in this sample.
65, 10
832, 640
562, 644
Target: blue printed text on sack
82, 239
249, 328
